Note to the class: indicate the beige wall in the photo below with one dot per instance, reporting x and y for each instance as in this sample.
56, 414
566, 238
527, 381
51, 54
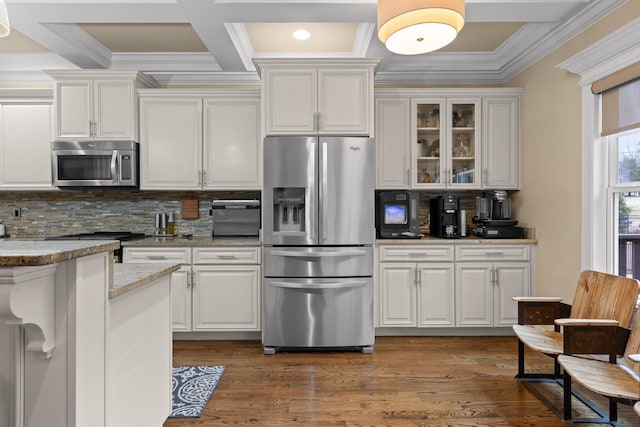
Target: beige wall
550, 199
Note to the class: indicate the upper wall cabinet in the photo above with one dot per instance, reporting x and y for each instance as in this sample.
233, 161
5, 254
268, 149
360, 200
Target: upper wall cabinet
326, 97
447, 138
204, 140
25, 140
97, 105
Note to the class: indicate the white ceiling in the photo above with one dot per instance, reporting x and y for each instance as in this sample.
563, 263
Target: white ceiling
214, 41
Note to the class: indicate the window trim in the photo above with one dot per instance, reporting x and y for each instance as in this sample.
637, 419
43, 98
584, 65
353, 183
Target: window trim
610, 54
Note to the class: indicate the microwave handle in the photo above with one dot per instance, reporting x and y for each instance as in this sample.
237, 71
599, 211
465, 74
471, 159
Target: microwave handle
114, 166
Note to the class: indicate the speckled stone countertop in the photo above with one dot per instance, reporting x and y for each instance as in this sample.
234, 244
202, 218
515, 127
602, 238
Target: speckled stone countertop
24, 253
471, 240
127, 277
194, 241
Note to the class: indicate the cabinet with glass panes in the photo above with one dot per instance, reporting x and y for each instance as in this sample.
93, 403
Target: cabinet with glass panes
445, 143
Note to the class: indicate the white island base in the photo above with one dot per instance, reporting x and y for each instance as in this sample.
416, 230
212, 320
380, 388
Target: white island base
73, 356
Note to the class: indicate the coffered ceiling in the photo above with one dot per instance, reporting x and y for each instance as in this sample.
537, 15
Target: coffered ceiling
215, 41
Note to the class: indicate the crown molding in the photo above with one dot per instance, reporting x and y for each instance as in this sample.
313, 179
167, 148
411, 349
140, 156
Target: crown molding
166, 62
81, 48
608, 55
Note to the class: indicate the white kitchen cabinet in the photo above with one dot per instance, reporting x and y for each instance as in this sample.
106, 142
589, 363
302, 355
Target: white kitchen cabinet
188, 142
486, 281
97, 105
216, 289
500, 148
453, 138
412, 293
232, 146
170, 143
445, 143
392, 153
327, 97
226, 297
25, 145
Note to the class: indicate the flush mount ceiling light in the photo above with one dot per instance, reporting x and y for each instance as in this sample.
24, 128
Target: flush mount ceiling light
301, 34
4, 20
411, 27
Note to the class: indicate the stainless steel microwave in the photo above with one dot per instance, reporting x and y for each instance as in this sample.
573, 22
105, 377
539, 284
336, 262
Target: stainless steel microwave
95, 163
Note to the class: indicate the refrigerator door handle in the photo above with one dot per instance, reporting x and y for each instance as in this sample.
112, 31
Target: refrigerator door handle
324, 197
319, 254
324, 285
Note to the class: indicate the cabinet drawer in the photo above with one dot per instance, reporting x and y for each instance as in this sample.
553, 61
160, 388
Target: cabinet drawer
149, 255
416, 253
493, 253
226, 255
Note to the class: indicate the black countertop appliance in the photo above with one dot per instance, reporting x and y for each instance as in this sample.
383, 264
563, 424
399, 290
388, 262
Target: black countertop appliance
444, 216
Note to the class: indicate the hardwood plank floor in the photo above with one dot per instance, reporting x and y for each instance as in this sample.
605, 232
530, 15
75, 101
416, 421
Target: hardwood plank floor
408, 381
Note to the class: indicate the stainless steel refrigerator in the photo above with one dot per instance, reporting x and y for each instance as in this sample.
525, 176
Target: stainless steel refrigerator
318, 232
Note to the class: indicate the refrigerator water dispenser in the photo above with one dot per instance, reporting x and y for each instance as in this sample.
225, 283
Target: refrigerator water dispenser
288, 209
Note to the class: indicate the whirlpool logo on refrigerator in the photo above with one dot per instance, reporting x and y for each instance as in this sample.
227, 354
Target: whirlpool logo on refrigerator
354, 148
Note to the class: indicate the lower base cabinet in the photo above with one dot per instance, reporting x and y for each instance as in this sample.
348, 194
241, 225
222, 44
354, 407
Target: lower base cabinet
484, 292
456, 285
217, 288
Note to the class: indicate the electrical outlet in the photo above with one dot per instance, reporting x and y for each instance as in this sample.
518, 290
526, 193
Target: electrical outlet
17, 213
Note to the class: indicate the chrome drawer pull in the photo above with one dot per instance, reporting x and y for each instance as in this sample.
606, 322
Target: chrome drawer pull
416, 254
156, 257
495, 253
227, 257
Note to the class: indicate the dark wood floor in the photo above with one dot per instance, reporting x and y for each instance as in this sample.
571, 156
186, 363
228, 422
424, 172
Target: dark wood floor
408, 381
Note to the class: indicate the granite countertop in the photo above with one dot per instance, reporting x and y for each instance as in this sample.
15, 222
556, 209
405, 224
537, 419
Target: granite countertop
127, 277
463, 240
194, 241
23, 253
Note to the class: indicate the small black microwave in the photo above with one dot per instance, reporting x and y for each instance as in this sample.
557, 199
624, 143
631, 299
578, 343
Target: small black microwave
397, 214
95, 163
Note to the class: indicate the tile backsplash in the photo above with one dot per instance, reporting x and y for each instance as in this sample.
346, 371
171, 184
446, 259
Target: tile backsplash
74, 211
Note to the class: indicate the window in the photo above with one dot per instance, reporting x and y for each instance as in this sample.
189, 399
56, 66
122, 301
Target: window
624, 167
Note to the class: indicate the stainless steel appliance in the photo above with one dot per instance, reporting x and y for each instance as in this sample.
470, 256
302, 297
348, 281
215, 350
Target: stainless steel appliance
444, 216
235, 218
318, 232
398, 215
94, 163
103, 235
493, 217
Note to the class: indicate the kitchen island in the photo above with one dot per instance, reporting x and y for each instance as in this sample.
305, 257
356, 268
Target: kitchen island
81, 338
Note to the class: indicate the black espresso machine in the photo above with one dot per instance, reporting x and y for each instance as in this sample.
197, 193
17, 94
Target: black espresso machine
493, 217
444, 214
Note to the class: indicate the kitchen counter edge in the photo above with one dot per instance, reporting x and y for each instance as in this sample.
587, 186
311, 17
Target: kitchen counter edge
28, 253
427, 240
127, 277
195, 241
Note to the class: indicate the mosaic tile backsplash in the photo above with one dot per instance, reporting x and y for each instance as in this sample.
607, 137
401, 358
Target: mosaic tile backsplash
76, 211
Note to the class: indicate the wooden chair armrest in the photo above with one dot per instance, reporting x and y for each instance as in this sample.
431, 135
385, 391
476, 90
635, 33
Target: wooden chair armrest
537, 299
635, 357
586, 322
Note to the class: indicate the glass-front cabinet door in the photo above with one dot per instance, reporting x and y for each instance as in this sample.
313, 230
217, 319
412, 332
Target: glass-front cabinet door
445, 149
463, 138
428, 148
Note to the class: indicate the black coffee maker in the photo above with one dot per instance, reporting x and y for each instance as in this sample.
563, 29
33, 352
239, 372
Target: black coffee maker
493, 217
444, 217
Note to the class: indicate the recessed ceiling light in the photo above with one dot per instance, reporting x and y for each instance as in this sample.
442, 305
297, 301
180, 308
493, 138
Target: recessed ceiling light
301, 34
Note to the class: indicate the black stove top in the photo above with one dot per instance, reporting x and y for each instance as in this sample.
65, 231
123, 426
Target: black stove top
100, 235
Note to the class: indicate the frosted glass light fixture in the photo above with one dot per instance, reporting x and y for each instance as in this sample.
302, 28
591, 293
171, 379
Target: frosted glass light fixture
411, 27
4, 20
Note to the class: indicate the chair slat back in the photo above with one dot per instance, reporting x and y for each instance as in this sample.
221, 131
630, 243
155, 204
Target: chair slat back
633, 345
605, 296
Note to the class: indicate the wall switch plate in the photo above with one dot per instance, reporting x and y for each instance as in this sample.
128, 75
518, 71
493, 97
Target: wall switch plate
17, 213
